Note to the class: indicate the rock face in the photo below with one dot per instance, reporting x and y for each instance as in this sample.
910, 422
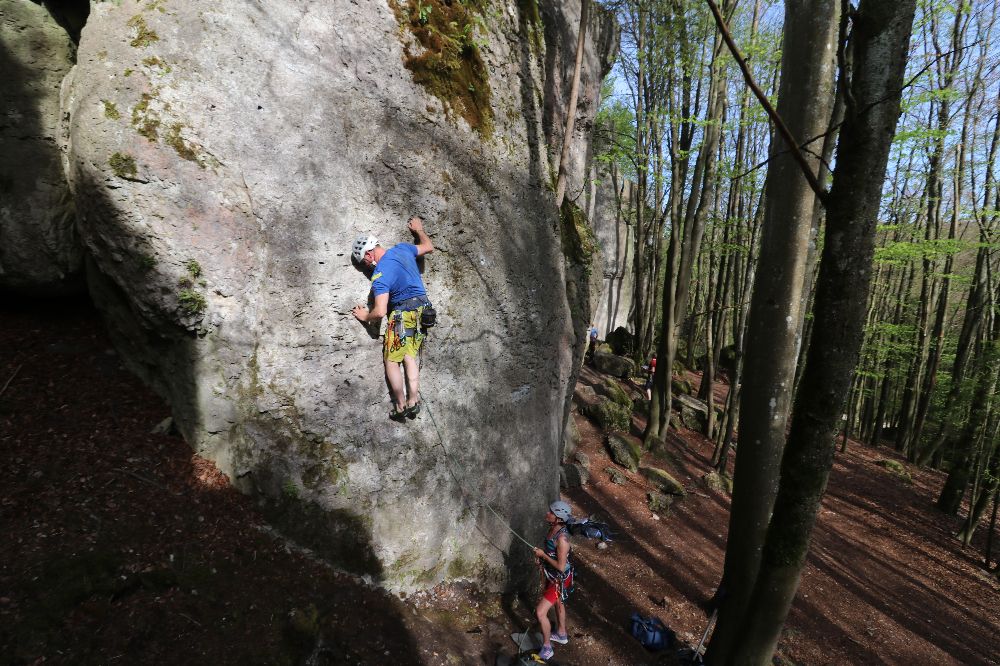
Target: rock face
610, 195
223, 157
39, 250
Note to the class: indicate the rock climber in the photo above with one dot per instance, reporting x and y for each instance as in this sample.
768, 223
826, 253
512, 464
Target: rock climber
397, 289
592, 346
558, 570
650, 369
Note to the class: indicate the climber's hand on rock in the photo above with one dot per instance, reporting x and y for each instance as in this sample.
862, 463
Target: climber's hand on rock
416, 225
361, 312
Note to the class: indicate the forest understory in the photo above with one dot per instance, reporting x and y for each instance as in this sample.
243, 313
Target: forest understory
123, 547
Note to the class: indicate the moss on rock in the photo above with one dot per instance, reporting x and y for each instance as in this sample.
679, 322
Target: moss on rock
608, 414
449, 66
123, 165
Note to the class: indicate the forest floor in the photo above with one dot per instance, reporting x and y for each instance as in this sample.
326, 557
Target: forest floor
122, 547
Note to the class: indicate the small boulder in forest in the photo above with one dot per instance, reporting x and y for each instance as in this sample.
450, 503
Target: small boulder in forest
658, 502
623, 451
662, 480
613, 390
897, 469
621, 341
615, 475
680, 386
719, 482
573, 475
608, 414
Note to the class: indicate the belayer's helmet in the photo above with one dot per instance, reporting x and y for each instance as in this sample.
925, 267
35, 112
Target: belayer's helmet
561, 510
361, 245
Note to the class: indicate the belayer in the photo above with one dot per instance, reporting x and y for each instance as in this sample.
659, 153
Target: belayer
558, 570
398, 289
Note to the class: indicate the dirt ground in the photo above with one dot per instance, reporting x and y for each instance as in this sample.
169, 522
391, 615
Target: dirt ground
121, 547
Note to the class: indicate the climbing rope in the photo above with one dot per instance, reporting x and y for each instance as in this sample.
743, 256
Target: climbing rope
465, 492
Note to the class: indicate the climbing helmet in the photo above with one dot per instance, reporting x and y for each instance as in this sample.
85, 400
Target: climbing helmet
561, 510
361, 245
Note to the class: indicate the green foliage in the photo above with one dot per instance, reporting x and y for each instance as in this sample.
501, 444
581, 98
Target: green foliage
193, 268
615, 132
903, 252
191, 302
123, 165
145, 262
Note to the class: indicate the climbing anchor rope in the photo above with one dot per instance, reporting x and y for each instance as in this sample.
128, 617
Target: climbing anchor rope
466, 493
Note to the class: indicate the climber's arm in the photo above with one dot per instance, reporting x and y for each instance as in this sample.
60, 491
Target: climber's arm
424, 245
379, 309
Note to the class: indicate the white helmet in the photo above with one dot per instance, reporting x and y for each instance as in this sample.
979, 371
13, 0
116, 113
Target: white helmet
362, 245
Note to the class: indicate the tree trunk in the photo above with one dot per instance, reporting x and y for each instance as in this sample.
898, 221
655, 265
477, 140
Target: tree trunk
881, 35
574, 91
958, 476
804, 103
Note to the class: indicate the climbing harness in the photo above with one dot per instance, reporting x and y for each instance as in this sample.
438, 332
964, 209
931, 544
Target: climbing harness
563, 580
402, 324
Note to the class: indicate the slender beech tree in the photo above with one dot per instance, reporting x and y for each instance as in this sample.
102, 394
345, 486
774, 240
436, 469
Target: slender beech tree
881, 35
805, 99
685, 242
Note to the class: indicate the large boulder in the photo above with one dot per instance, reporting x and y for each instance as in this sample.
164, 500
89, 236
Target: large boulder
693, 412
616, 366
613, 391
622, 341
223, 156
608, 414
39, 250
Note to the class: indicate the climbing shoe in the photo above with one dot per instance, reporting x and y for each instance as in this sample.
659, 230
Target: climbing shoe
412, 411
546, 652
562, 639
398, 415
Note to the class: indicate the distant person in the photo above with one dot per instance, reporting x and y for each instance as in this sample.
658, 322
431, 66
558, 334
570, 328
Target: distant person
558, 571
651, 370
397, 289
592, 346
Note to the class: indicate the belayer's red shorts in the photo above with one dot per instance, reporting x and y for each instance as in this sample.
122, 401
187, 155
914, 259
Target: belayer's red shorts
551, 588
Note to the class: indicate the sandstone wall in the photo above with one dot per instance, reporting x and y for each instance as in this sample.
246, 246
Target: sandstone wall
224, 155
39, 250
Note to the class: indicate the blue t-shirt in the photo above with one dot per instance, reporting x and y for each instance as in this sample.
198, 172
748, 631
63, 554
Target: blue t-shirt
396, 274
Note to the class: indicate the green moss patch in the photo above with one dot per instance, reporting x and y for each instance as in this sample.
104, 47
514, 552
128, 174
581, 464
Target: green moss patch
143, 35
578, 240
144, 119
154, 62
123, 165
449, 66
181, 147
110, 110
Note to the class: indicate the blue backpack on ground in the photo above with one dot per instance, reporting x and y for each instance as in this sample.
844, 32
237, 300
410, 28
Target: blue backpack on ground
651, 632
590, 528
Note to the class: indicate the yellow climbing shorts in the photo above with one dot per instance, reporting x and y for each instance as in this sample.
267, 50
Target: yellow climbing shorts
396, 346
